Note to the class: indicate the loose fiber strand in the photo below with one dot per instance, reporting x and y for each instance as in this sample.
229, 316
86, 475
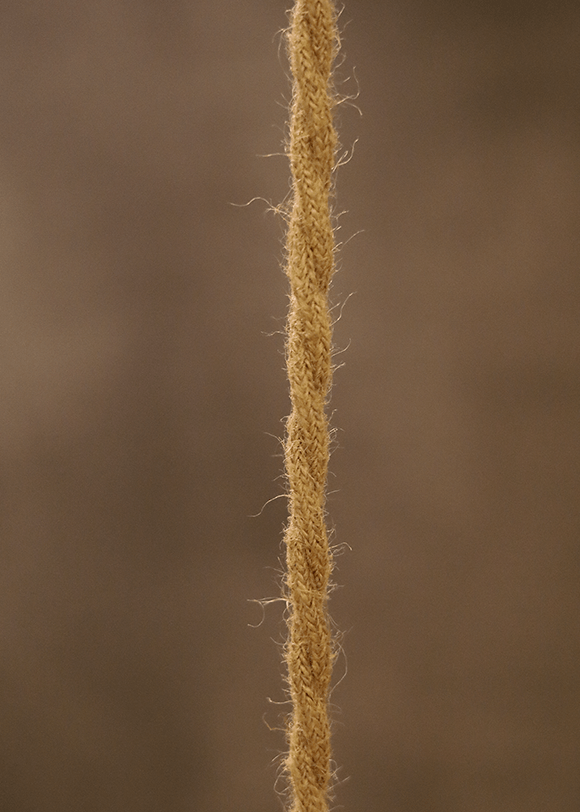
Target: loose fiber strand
312, 44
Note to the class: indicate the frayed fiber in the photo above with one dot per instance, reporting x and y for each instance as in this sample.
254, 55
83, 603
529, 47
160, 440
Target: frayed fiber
312, 45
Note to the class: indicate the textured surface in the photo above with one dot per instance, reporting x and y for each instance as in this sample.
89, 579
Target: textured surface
139, 392
312, 44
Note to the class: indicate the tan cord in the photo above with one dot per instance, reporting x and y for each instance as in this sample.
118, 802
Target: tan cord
312, 44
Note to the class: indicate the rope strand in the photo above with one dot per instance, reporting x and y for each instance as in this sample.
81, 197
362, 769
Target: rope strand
312, 44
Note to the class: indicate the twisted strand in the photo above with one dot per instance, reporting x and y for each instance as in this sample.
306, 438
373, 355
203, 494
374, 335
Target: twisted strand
312, 41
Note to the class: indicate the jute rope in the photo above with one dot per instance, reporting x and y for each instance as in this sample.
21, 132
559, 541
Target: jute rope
312, 43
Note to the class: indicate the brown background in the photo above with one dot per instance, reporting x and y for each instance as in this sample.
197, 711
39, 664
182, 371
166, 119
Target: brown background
141, 399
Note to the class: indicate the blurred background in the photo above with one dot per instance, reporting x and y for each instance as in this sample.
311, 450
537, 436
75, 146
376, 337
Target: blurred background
143, 392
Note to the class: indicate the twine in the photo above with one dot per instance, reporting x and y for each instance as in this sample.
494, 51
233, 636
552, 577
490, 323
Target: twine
312, 44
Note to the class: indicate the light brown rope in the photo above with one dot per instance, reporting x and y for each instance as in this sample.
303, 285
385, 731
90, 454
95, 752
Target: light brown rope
312, 42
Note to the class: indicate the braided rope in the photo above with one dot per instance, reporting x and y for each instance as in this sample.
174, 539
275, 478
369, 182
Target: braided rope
312, 43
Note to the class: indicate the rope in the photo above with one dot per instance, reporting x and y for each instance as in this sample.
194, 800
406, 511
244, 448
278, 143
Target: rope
312, 44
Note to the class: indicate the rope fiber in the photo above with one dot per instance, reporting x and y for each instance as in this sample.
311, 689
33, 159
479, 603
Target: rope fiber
312, 45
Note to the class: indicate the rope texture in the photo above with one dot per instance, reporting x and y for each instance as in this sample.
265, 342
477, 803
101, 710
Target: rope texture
312, 45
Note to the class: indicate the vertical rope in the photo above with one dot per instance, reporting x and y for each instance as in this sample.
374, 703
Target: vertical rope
312, 42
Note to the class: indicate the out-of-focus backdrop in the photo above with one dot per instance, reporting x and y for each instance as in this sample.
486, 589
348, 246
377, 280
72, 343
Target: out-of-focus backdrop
143, 392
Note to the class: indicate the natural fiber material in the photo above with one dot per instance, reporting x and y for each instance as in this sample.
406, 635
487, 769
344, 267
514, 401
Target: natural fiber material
312, 41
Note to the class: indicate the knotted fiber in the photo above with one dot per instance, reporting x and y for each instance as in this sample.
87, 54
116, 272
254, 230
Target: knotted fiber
312, 44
